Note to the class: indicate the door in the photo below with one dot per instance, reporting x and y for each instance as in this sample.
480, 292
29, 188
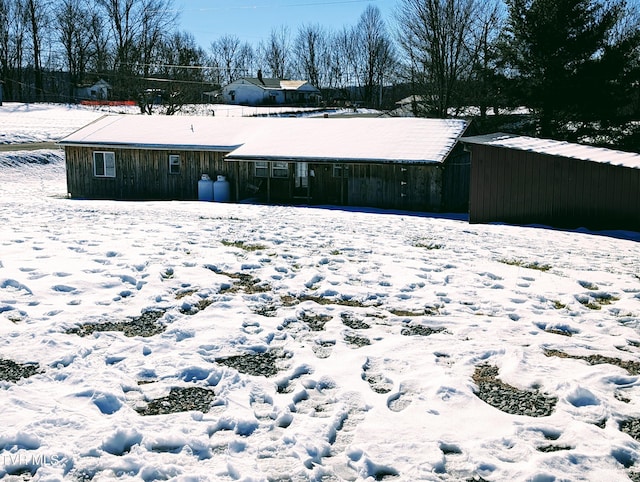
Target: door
301, 180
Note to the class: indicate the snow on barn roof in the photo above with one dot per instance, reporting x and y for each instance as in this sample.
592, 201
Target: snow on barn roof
558, 148
248, 138
158, 132
354, 139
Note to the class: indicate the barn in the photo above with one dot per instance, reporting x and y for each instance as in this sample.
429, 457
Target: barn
396, 163
525, 180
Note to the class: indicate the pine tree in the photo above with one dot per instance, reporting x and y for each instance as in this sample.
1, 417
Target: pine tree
567, 63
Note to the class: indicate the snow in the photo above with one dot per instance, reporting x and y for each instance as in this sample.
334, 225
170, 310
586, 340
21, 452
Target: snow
559, 148
381, 139
356, 395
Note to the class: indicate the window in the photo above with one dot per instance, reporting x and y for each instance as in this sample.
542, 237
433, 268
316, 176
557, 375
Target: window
261, 169
174, 164
104, 164
340, 170
279, 169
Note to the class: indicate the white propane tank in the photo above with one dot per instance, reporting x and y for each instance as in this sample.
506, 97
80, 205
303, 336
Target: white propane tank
221, 190
205, 188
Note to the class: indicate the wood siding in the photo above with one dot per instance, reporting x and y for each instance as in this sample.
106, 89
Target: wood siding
388, 186
142, 174
523, 187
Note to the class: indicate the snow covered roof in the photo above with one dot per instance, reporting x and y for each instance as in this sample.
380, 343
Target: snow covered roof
558, 148
275, 83
160, 132
354, 139
247, 138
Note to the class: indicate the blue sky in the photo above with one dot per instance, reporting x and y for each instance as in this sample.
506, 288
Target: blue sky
253, 20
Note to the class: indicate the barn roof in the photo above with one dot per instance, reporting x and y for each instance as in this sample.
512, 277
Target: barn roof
558, 148
307, 139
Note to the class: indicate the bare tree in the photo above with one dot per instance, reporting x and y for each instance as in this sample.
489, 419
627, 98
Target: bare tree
36, 18
101, 58
436, 37
345, 66
232, 57
484, 83
311, 50
13, 31
276, 52
376, 53
125, 28
73, 22
157, 18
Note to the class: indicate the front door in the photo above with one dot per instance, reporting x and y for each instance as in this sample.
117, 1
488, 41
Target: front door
301, 180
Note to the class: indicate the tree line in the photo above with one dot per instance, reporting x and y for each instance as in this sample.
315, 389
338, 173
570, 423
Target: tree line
574, 64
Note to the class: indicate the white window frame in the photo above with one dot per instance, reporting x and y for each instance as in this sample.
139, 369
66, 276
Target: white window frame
280, 169
261, 169
174, 161
104, 164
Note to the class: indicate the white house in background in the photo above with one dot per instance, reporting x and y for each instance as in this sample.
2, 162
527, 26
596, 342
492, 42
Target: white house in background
259, 91
100, 90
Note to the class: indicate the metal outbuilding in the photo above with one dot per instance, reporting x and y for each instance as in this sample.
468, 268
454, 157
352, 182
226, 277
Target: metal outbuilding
526, 180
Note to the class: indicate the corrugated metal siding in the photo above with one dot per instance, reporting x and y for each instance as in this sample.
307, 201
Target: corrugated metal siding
142, 174
529, 188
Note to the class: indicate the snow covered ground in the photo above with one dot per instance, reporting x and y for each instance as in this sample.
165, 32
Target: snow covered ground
326, 344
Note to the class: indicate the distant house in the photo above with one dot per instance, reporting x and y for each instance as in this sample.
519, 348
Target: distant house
398, 163
100, 90
259, 91
525, 180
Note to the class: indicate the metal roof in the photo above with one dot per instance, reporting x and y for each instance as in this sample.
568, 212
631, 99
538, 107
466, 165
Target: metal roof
277, 84
399, 140
384, 140
557, 148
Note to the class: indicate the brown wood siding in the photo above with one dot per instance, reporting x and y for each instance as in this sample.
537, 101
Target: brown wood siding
396, 186
387, 186
142, 174
529, 188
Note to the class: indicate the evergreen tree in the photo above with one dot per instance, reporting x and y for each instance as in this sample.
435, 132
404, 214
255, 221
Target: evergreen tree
568, 61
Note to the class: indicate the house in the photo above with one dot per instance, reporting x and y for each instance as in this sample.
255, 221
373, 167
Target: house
525, 180
259, 91
99, 90
398, 163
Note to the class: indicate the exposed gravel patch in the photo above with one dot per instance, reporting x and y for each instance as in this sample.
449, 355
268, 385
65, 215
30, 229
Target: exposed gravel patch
180, 399
313, 321
350, 320
257, 364
504, 397
633, 367
357, 341
421, 330
631, 427
145, 325
11, 371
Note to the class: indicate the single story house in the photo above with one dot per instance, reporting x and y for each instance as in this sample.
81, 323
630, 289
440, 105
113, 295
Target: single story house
525, 180
259, 91
397, 163
99, 90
